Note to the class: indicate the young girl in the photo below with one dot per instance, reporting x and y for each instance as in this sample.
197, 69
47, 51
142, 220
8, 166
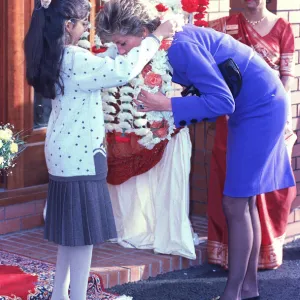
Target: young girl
79, 212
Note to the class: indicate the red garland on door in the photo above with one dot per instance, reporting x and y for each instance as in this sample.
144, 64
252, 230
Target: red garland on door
199, 8
196, 7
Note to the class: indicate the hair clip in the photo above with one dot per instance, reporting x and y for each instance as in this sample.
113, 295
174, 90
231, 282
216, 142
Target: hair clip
45, 3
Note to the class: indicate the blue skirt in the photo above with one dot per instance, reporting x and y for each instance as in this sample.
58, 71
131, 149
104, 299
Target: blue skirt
257, 158
79, 213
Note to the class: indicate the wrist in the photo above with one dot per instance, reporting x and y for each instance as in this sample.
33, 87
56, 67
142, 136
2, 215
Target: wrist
155, 36
169, 104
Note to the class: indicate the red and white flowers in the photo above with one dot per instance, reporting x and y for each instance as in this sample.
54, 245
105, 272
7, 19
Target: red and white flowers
120, 112
197, 9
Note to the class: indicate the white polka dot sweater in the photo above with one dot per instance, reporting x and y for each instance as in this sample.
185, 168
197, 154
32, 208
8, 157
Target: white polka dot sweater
75, 135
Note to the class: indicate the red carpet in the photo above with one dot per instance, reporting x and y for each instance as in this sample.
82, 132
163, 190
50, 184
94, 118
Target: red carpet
9, 276
23, 278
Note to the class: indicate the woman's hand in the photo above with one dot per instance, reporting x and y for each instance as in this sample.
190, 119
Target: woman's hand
153, 102
166, 29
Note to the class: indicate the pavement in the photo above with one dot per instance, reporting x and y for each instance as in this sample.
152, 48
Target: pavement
207, 281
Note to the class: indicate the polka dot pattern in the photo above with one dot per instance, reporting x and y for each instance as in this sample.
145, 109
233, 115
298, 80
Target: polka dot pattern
76, 127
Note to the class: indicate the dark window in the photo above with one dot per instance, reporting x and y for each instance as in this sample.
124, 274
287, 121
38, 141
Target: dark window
42, 110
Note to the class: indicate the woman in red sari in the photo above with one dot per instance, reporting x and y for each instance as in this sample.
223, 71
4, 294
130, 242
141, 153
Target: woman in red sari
273, 39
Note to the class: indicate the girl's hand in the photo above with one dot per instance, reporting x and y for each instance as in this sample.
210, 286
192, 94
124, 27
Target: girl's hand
166, 29
153, 102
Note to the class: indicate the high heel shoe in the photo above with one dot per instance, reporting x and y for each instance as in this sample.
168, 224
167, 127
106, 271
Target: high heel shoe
252, 298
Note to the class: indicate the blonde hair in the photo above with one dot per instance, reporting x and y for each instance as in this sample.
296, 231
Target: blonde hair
126, 17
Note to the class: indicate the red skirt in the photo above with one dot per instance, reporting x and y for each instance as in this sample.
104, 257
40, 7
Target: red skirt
273, 208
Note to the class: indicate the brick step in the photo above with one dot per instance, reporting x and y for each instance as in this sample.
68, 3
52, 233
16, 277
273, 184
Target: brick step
118, 265
115, 264
129, 265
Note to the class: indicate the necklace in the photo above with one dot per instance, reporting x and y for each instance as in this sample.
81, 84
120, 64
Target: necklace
120, 113
253, 23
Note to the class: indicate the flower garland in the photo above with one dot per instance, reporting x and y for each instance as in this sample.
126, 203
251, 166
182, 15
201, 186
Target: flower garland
84, 41
120, 112
199, 7
175, 6
196, 8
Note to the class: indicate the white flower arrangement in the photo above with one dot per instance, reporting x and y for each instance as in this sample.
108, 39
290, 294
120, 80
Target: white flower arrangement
174, 8
109, 108
175, 5
84, 41
109, 118
159, 63
84, 44
125, 118
9, 147
140, 122
125, 90
155, 77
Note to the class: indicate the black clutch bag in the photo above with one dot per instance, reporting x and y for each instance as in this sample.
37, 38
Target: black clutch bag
232, 77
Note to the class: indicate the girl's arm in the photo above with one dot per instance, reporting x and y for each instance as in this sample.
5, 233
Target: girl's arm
93, 73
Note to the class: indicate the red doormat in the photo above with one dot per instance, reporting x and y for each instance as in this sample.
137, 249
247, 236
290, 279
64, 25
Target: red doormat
23, 278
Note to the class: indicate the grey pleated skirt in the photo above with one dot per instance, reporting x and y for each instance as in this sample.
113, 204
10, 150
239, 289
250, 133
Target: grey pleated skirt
79, 213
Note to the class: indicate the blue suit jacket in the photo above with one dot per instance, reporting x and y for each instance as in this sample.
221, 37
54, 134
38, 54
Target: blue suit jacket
194, 55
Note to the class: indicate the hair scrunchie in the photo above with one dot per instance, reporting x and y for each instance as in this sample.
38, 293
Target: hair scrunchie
45, 3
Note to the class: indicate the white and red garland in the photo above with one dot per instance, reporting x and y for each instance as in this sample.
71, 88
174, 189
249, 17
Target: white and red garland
199, 10
120, 112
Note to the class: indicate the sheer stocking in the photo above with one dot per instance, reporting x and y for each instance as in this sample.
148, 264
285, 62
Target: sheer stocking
250, 284
240, 243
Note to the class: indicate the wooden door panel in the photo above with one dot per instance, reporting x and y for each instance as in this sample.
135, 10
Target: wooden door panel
17, 98
35, 165
3, 70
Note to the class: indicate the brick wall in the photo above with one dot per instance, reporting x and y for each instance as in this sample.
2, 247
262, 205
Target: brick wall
290, 10
21, 216
204, 131
200, 163
218, 9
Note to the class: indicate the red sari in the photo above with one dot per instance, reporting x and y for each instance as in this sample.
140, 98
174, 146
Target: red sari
277, 49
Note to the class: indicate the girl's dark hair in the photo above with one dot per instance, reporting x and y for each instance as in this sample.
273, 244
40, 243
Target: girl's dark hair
45, 41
